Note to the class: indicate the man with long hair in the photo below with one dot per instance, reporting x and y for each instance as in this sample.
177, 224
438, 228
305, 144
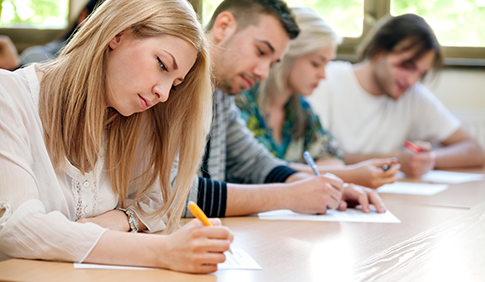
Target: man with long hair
373, 107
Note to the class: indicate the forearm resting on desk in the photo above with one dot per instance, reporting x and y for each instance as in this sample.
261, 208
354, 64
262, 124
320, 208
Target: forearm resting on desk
467, 153
193, 248
368, 173
250, 199
305, 194
357, 158
114, 220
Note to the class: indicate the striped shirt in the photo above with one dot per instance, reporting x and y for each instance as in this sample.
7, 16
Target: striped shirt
232, 155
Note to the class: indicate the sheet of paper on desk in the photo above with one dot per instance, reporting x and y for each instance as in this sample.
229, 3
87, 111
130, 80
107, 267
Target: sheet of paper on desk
349, 215
238, 260
412, 188
440, 176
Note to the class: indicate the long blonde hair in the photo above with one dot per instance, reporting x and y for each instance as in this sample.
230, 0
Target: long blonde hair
315, 34
74, 114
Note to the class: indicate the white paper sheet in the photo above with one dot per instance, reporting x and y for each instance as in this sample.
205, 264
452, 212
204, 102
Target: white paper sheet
239, 259
440, 176
349, 215
412, 188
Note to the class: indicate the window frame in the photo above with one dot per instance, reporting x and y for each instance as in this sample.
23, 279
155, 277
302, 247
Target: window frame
26, 37
375, 10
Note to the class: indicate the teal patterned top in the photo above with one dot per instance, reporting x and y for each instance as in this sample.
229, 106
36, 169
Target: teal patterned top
315, 139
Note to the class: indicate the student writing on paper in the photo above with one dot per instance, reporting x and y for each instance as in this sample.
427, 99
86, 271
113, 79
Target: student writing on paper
281, 119
238, 175
373, 107
98, 129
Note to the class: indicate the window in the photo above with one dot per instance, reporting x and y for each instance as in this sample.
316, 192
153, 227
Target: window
33, 22
336, 12
40, 14
457, 23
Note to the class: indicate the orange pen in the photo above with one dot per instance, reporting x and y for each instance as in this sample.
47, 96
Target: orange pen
200, 215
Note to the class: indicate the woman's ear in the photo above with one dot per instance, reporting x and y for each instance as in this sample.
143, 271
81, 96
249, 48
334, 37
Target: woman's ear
115, 42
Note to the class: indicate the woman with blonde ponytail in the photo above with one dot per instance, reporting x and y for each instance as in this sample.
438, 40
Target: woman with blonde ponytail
88, 142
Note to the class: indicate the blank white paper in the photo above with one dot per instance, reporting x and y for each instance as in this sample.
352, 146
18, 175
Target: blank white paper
412, 188
349, 215
441, 176
239, 259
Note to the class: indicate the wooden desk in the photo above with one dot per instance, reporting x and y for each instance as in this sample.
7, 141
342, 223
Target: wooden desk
453, 251
465, 195
428, 236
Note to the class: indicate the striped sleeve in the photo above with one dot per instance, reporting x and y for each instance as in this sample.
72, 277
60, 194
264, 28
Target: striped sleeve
212, 197
279, 174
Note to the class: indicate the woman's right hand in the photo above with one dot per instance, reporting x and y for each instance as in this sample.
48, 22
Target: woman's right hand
370, 173
196, 248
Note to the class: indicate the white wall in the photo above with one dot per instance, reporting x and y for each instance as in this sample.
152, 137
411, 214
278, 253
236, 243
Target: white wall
460, 87
462, 90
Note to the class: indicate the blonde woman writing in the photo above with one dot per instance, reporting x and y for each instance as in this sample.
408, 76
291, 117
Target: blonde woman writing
98, 129
283, 121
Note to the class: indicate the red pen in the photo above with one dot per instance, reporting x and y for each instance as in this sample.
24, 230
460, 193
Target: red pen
412, 147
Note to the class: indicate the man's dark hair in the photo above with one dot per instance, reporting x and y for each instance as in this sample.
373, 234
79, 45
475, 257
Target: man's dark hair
409, 28
247, 12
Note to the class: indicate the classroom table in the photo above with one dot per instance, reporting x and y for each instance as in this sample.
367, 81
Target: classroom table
435, 241
456, 196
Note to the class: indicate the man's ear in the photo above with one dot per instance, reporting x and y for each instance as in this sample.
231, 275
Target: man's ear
224, 27
115, 42
82, 16
378, 54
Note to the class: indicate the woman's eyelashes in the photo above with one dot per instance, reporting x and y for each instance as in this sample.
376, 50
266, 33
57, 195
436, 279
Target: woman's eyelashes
162, 65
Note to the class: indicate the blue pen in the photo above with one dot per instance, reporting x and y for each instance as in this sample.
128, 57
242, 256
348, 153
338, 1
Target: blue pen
309, 160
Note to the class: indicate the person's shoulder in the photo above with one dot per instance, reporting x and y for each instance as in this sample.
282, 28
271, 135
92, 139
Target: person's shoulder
338, 66
419, 92
14, 87
41, 53
338, 70
304, 103
306, 108
11, 79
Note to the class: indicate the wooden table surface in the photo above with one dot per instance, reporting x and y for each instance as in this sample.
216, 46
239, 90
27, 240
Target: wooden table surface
440, 238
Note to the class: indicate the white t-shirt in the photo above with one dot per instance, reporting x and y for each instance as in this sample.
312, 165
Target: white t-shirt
367, 124
38, 208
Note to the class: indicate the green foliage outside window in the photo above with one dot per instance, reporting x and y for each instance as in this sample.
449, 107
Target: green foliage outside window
34, 13
455, 22
346, 16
